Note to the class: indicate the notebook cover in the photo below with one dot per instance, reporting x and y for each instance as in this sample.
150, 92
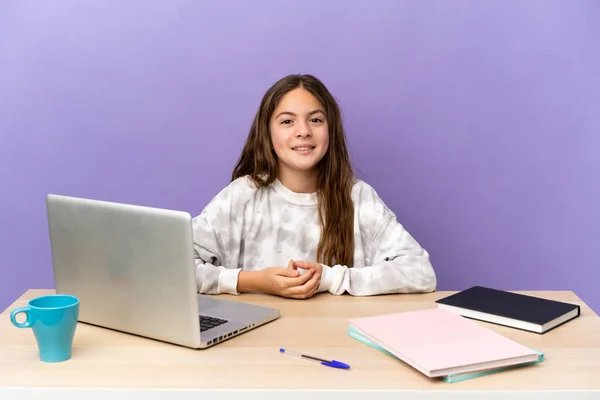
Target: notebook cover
452, 377
438, 339
510, 305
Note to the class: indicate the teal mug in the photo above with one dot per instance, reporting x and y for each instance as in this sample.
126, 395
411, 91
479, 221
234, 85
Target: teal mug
53, 319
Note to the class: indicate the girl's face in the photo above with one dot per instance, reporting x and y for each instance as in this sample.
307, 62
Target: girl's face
299, 132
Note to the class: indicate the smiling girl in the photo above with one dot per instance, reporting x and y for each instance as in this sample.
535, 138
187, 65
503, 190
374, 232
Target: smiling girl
295, 221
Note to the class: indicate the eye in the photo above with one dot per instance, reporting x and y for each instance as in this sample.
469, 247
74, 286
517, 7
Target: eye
316, 120
286, 121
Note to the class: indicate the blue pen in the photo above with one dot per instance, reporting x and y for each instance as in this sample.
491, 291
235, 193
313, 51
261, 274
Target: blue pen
328, 363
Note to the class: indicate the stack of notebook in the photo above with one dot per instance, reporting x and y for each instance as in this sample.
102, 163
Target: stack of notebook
442, 344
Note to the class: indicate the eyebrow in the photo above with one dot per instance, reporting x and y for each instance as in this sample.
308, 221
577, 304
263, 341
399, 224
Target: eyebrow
317, 111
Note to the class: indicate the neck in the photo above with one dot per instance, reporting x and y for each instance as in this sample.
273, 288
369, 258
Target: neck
299, 181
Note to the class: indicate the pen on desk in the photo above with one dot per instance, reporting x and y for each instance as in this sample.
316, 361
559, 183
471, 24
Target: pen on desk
328, 363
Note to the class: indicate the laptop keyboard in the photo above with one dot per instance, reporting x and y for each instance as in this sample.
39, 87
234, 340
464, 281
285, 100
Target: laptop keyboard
207, 322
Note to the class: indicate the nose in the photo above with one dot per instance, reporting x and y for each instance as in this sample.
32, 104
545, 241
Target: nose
303, 130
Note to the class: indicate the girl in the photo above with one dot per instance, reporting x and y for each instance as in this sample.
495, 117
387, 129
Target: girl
294, 221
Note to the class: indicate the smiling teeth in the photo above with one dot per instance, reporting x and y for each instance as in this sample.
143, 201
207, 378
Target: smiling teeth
303, 148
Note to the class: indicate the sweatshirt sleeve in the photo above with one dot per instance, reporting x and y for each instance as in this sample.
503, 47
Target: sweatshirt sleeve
209, 253
396, 262
400, 265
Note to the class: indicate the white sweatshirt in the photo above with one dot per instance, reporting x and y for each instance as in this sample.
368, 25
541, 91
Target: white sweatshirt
250, 228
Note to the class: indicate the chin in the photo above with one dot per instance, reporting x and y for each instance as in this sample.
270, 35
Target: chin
304, 168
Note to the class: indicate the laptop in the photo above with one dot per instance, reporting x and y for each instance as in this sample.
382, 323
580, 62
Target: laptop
133, 270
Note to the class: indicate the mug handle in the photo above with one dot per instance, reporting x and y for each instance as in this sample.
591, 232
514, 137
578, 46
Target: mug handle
13, 319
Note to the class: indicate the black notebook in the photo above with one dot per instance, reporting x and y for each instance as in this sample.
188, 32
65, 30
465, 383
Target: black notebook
510, 309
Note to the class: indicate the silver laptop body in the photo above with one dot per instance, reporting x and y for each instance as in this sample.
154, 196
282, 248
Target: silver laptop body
133, 270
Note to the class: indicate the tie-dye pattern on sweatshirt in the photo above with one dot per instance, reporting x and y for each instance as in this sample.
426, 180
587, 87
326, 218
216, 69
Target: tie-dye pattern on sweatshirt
250, 228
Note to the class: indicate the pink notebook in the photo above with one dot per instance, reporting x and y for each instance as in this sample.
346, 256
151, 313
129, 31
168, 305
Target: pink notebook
438, 342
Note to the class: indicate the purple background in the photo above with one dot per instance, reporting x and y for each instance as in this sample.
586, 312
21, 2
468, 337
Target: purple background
478, 122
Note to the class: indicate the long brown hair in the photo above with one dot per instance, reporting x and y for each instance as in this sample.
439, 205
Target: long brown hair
335, 176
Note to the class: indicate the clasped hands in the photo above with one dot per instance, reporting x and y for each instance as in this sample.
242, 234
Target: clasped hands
289, 282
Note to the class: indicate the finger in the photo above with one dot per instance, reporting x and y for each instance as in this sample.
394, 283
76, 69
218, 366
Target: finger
304, 264
294, 296
291, 273
301, 279
299, 295
302, 296
290, 282
306, 288
291, 265
315, 289
313, 284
